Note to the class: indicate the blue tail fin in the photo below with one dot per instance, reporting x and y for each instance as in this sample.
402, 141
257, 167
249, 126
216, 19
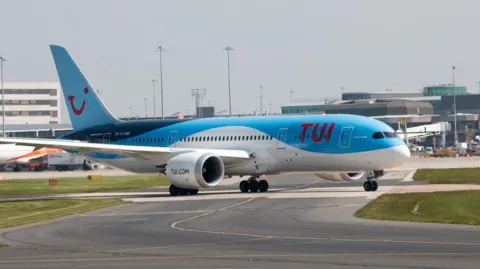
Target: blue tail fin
84, 106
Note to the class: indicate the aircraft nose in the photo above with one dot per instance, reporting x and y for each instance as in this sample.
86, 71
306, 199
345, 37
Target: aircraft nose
401, 154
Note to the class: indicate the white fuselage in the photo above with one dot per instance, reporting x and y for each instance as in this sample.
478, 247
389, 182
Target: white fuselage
273, 156
10, 151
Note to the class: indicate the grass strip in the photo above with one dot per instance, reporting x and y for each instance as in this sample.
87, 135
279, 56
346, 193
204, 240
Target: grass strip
26, 212
455, 207
448, 176
80, 185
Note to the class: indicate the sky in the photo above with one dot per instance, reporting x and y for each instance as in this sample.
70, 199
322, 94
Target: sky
313, 48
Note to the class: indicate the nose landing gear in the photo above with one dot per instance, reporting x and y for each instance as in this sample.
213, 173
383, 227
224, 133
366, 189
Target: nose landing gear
371, 184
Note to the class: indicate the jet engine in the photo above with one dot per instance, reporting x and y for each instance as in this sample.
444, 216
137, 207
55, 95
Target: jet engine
353, 176
195, 170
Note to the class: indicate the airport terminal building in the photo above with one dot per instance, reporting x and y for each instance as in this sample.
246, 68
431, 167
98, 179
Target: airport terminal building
31, 103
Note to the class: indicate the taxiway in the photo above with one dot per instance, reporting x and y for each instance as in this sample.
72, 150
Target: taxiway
252, 231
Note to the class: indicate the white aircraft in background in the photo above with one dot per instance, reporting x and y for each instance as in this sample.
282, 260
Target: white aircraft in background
11, 153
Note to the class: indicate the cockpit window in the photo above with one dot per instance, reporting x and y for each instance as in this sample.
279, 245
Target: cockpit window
378, 135
390, 135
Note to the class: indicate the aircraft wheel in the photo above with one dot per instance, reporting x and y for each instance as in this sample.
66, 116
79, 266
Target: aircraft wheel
244, 186
367, 186
173, 190
182, 191
254, 186
193, 191
263, 185
374, 185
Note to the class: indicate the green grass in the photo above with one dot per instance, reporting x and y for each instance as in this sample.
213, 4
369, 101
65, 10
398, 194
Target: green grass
26, 212
80, 185
448, 176
456, 207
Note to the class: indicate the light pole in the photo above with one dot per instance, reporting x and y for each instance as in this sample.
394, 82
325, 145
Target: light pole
154, 100
228, 49
3, 95
454, 107
261, 99
146, 113
291, 96
160, 50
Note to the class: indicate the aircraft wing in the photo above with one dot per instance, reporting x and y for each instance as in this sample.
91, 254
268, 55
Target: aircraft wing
158, 155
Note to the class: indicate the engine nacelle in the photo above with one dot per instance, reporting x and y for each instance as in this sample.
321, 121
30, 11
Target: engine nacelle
195, 170
342, 176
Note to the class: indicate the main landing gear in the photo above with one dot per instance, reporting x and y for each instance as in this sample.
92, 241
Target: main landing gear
253, 185
174, 191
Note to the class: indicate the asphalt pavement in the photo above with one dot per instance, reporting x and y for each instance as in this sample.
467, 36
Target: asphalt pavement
250, 231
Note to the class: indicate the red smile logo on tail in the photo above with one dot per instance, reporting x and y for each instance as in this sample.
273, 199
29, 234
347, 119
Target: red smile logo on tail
76, 110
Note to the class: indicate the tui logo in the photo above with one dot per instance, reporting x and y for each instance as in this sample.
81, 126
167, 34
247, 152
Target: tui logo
72, 104
316, 137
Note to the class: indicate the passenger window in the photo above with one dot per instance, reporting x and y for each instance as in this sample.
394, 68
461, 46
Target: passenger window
378, 135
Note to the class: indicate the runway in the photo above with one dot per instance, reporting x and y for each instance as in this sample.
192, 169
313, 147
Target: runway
240, 232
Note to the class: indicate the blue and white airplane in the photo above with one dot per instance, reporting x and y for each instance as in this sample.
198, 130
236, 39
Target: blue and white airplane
200, 153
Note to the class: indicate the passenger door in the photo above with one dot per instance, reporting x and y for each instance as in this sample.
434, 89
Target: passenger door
345, 137
106, 138
172, 137
282, 138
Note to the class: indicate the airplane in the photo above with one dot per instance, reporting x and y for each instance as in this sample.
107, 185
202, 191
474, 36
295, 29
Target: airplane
11, 153
199, 153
